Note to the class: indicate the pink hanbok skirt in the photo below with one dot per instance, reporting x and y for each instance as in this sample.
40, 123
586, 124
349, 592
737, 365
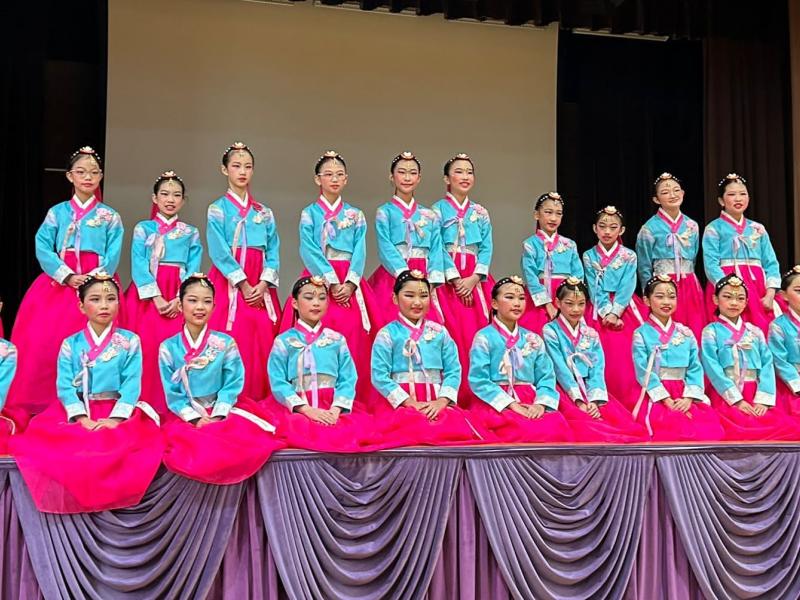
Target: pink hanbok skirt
616, 426
617, 344
252, 327
787, 399
221, 453
48, 314
508, 426
69, 469
144, 319
700, 424
776, 424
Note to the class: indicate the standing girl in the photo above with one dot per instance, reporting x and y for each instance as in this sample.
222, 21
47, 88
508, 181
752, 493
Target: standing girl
784, 342
100, 446
164, 251
667, 245
244, 248
739, 366
78, 237
671, 404
333, 245
313, 378
617, 310
734, 244
467, 239
409, 236
416, 372
511, 373
592, 413
547, 260
215, 434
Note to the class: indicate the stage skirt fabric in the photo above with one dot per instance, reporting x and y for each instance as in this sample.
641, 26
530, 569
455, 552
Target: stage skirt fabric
223, 452
252, 327
616, 426
776, 424
348, 321
754, 313
508, 426
405, 426
70, 469
48, 314
298, 431
617, 344
153, 328
463, 321
701, 424
382, 284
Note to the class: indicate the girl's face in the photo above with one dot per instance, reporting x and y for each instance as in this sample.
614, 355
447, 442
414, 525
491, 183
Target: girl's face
735, 199
792, 294
311, 303
85, 175
413, 300
406, 176
197, 304
572, 306
669, 194
549, 215
460, 177
239, 170
332, 178
169, 198
663, 300
608, 229
731, 301
101, 303
510, 302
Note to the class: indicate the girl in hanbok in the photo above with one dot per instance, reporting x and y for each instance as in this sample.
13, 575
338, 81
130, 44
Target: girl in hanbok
671, 403
79, 237
593, 414
467, 240
8, 367
99, 446
735, 244
215, 434
164, 252
244, 248
547, 260
616, 309
333, 245
667, 244
313, 378
409, 237
784, 342
512, 374
416, 373
740, 371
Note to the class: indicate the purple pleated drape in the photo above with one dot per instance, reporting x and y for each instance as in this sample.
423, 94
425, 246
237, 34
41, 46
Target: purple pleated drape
17, 579
168, 546
738, 514
563, 526
344, 527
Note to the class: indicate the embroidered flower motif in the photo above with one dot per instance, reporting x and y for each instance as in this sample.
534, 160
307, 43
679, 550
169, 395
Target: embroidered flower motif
351, 217
562, 247
101, 217
431, 331
181, 229
5, 350
263, 214
120, 341
758, 231
428, 214
327, 338
617, 263
110, 353
478, 212
216, 342
423, 222
473, 217
532, 343
295, 343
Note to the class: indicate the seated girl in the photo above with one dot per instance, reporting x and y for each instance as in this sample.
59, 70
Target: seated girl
672, 403
416, 372
784, 342
593, 414
215, 435
512, 374
740, 370
100, 446
313, 378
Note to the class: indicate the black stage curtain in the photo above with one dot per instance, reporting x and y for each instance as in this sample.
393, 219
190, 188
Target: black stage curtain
748, 113
628, 110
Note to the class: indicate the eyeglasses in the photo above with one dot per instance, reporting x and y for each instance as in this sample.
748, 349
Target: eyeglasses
329, 175
82, 173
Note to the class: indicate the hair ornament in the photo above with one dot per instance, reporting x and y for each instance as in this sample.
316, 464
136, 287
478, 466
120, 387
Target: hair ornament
732, 177
572, 280
665, 176
86, 151
201, 277
417, 274
795, 270
611, 211
167, 175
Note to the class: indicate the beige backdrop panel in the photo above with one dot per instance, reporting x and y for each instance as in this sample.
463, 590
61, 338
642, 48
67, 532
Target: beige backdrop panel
188, 77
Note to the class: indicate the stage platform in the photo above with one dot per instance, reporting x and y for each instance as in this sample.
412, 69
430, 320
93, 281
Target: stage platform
643, 522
